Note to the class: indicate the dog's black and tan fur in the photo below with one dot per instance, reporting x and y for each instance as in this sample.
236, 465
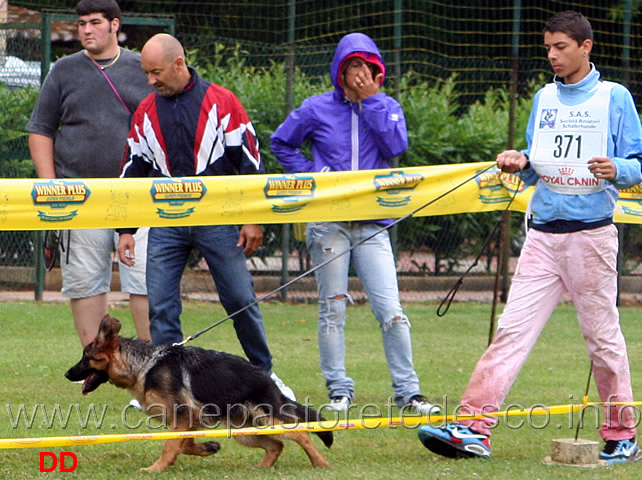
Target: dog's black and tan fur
189, 385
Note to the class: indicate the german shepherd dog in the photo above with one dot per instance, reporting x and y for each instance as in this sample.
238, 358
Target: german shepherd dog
192, 387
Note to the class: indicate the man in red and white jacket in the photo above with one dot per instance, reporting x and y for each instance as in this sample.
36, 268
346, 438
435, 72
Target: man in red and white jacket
191, 127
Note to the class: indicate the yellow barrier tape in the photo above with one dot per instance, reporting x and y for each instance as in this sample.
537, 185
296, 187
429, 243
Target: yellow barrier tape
327, 425
28, 204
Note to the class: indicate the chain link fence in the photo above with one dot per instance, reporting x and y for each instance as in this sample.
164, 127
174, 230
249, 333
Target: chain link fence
463, 71
20, 76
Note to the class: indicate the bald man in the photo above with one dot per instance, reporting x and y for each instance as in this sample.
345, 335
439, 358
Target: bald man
186, 111
163, 61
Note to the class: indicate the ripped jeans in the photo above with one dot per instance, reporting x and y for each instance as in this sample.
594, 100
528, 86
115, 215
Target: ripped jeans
374, 263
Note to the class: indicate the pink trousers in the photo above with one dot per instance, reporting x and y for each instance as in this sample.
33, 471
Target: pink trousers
584, 265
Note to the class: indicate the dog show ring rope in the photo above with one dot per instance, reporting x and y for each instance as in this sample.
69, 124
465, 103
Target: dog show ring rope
326, 425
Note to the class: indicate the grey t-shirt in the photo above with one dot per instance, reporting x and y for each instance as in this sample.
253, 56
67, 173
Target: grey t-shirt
79, 109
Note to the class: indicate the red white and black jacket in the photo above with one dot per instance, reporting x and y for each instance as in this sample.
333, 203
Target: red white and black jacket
204, 130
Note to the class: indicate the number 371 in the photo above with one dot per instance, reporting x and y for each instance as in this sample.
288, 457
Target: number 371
567, 144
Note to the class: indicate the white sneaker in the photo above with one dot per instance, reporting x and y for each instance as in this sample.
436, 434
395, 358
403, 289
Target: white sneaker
423, 406
136, 404
339, 404
285, 390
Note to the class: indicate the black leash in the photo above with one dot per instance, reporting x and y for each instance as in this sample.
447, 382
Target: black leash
50, 248
450, 296
584, 401
314, 269
53, 246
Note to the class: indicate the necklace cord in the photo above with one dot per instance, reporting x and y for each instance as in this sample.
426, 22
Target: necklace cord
101, 69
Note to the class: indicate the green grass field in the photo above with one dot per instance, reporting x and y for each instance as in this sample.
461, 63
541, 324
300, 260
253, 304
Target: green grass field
40, 343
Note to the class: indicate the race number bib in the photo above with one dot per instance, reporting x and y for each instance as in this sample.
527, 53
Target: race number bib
567, 137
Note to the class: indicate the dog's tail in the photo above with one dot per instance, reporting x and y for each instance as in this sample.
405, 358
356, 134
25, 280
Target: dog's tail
295, 411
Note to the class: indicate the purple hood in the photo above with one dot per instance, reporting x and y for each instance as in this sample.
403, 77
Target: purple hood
352, 43
343, 135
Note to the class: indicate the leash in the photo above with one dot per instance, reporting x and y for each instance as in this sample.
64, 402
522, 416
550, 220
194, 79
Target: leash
317, 267
53, 246
584, 400
450, 296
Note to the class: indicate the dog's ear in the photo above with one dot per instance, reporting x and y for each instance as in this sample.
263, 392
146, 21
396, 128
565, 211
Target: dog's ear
110, 323
107, 338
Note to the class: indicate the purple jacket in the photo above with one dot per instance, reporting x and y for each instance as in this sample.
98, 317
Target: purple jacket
343, 135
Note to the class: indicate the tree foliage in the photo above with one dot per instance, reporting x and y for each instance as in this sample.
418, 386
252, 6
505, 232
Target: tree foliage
440, 130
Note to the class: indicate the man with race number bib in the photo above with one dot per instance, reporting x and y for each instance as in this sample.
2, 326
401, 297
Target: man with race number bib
584, 143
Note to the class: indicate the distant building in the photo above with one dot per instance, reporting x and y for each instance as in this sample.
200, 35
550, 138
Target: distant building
20, 48
60, 31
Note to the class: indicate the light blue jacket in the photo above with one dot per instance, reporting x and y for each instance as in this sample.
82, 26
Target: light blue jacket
624, 148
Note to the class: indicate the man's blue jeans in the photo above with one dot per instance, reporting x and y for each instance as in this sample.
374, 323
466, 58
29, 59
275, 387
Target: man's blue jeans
374, 263
168, 249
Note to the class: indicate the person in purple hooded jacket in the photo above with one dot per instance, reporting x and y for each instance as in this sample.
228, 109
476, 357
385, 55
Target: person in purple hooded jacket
353, 127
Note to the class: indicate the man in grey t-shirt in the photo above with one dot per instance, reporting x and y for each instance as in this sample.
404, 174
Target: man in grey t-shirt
78, 129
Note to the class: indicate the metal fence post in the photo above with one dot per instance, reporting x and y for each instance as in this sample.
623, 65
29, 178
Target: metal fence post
40, 266
626, 64
503, 257
289, 93
394, 233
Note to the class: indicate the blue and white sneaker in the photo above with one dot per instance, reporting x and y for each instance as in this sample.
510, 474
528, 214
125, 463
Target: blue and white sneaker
455, 441
621, 451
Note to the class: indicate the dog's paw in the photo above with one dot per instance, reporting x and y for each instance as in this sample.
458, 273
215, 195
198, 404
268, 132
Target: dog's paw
321, 463
153, 469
